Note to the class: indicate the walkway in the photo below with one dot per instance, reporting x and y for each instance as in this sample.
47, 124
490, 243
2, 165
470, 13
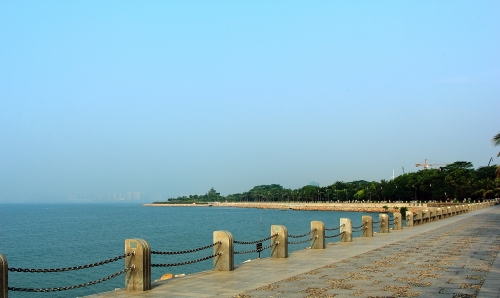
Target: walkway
452, 257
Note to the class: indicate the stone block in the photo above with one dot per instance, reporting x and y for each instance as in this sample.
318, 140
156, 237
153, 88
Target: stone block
139, 278
279, 243
224, 261
317, 235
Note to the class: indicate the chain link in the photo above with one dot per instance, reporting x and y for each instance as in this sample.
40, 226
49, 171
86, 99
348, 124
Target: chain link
299, 242
256, 241
187, 262
254, 250
184, 251
333, 229
303, 235
70, 268
69, 287
334, 235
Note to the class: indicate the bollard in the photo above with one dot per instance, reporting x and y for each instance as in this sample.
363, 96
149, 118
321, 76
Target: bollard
384, 223
367, 226
418, 217
318, 235
279, 243
4, 277
432, 214
225, 260
425, 215
345, 230
409, 219
398, 224
139, 278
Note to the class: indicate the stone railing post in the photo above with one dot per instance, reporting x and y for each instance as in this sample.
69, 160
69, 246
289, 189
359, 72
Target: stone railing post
367, 226
439, 213
345, 230
409, 219
317, 235
4, 277
280, 242
448, 211
432, 214
418, 217
139, 278
425, 215
384, 223
398, 222
225, 260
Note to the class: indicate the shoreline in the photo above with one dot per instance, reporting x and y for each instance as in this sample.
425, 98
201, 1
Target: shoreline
345, 207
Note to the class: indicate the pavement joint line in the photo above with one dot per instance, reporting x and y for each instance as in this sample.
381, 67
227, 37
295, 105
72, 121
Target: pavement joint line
413, 253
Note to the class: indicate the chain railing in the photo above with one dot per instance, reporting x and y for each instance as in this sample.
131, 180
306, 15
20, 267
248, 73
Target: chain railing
333, 229
28, 270
184, 251
258, 249
39, 290
333, 236
187, 262
254, 250
52, 270
303, 235
256, 241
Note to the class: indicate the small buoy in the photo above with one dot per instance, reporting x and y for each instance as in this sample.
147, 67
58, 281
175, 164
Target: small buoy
167, 276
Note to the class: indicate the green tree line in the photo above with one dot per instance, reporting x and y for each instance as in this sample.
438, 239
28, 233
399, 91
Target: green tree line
456, 181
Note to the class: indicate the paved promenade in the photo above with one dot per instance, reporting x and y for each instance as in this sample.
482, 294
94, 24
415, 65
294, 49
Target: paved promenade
452, 257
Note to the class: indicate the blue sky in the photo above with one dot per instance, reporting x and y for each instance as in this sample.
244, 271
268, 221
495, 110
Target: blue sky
175, 97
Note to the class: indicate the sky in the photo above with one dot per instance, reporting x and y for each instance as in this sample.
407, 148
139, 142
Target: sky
171, 98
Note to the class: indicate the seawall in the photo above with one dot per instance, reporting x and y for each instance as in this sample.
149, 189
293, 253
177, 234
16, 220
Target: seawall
347, 207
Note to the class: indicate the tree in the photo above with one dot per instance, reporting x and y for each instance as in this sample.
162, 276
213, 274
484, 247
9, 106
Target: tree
459, 176
496, 142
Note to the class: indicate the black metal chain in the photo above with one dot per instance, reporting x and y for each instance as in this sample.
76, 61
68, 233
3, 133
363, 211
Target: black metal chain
376, 222
70, 268
303, 235
256, 241
69, 287
187, 262
254, 250
184, 251
334, 235
332, 229
299, 242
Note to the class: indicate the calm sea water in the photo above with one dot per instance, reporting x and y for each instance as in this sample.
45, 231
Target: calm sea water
65, 235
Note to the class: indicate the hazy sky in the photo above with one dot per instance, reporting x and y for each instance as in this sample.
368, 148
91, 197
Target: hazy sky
175, 97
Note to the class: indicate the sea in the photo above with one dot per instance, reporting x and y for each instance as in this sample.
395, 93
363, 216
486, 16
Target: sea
49, 236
